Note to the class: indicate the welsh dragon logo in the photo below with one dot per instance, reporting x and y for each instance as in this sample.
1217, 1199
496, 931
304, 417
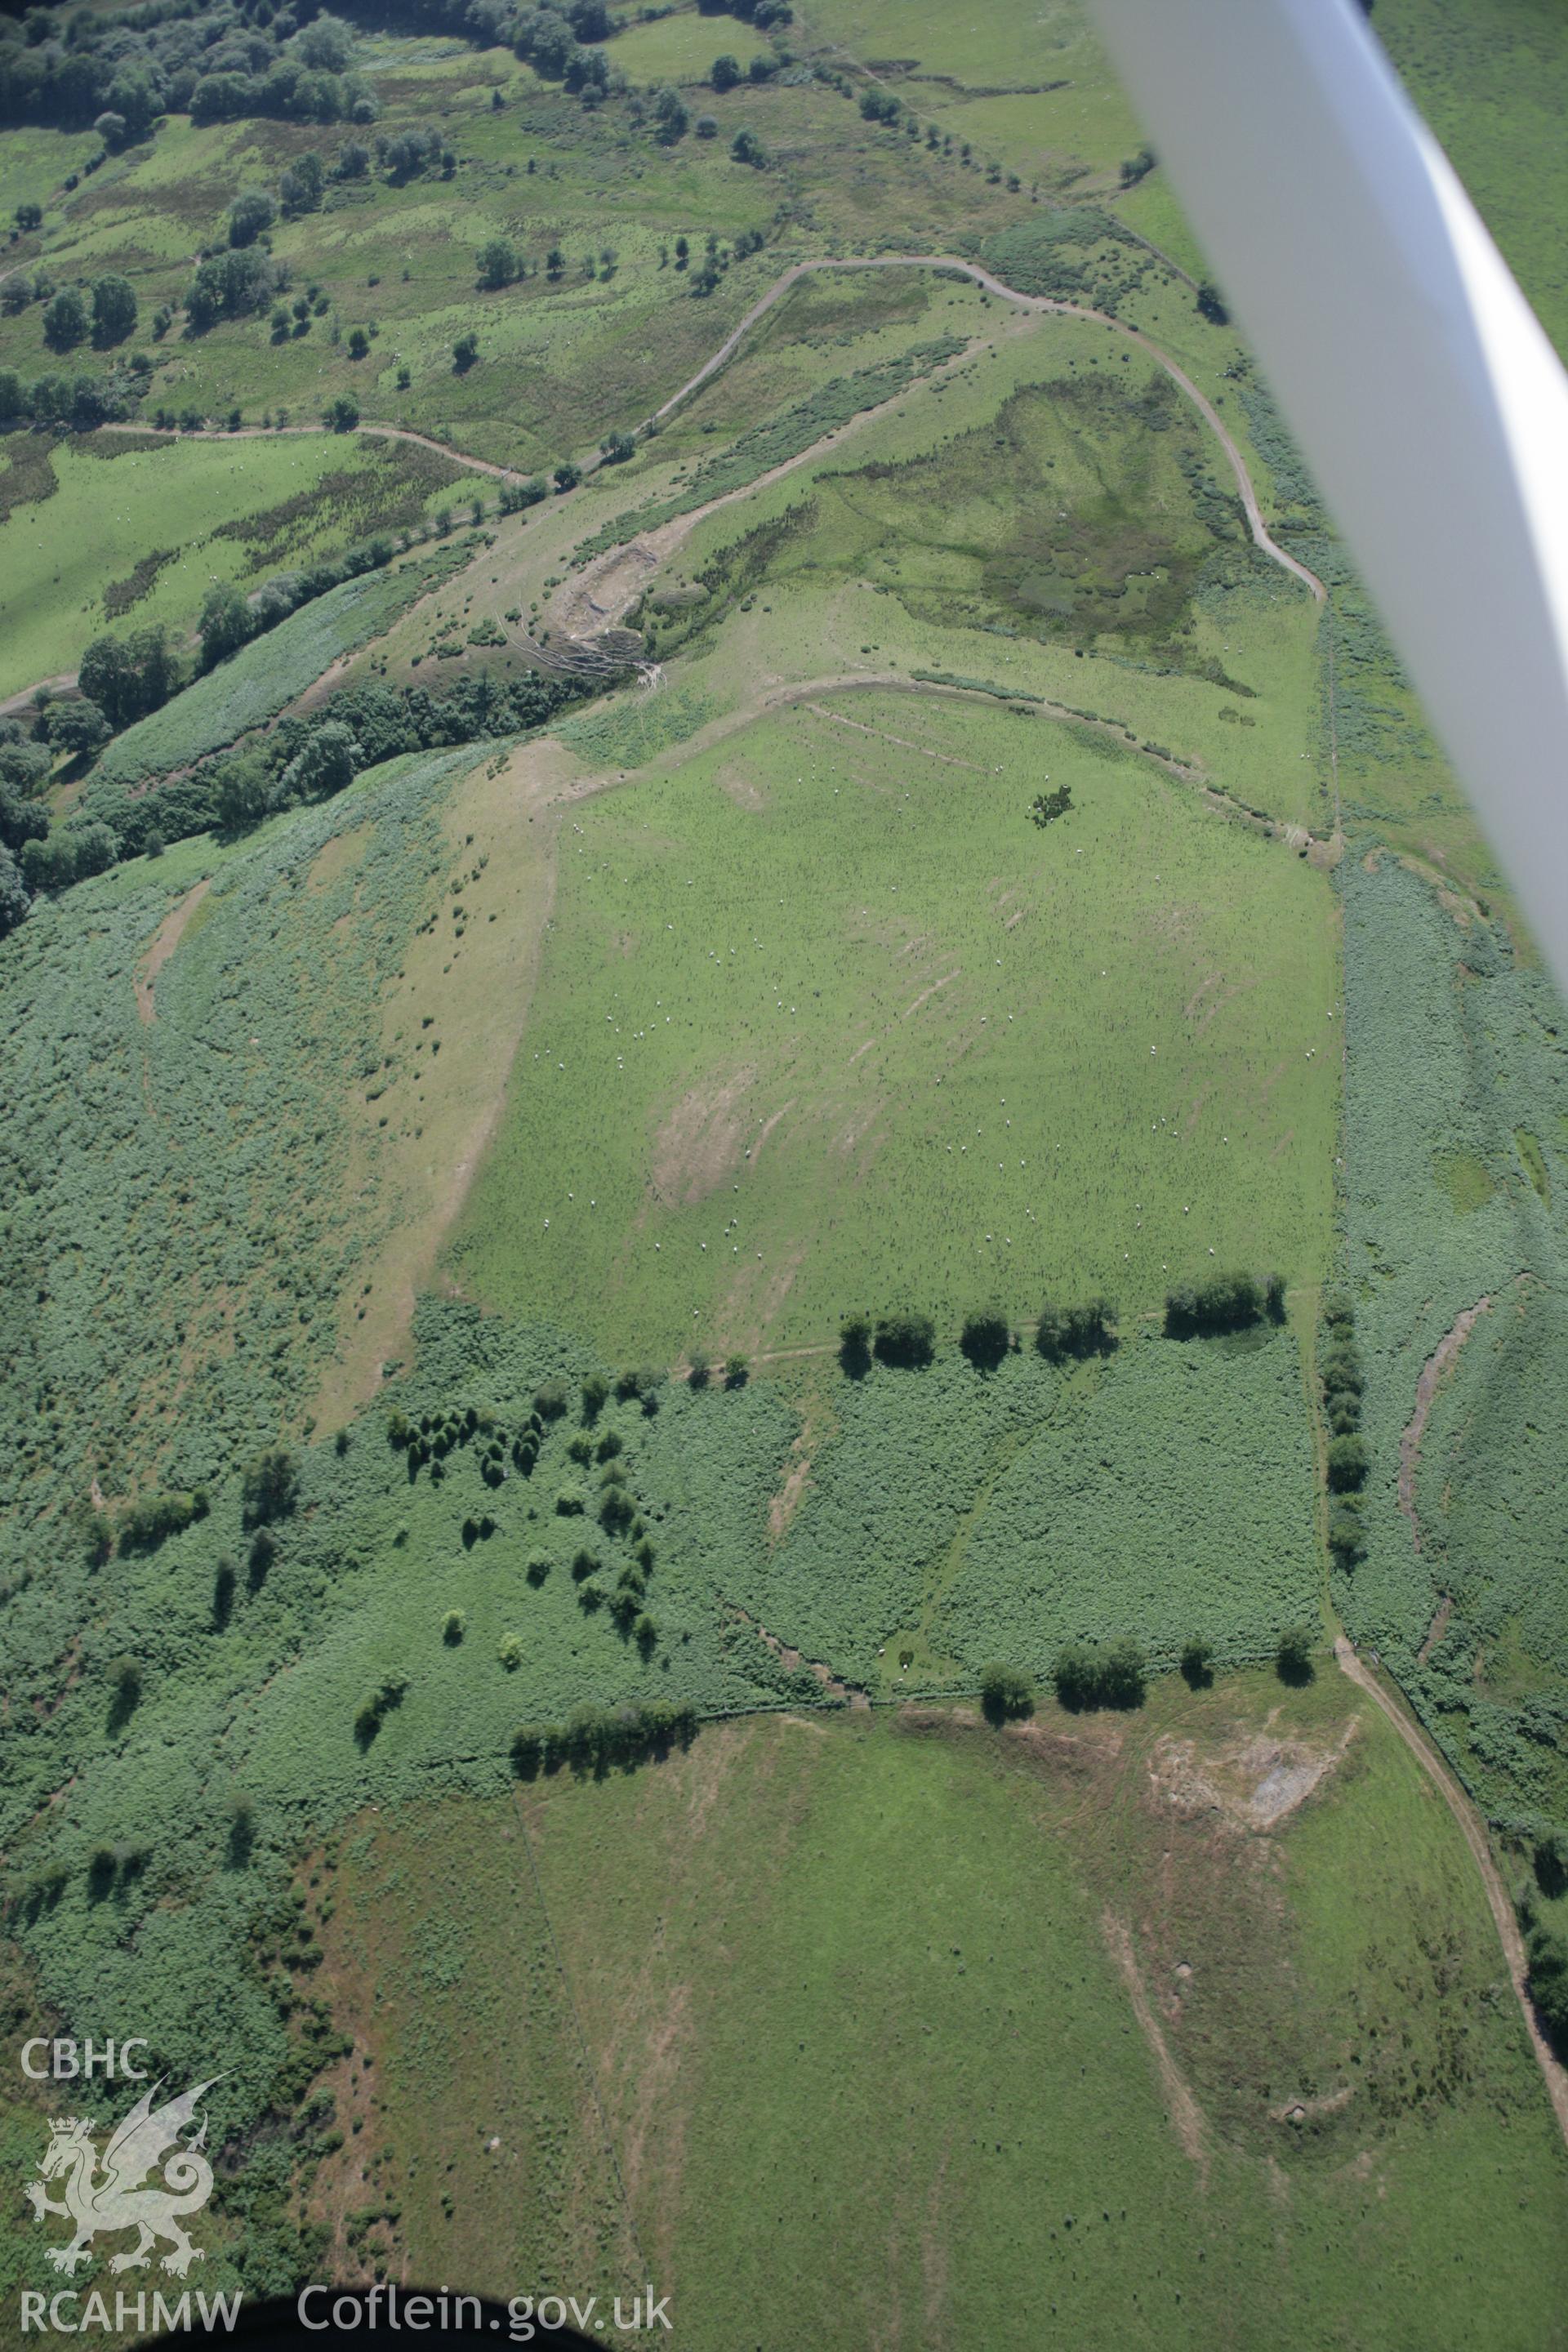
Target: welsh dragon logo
101, 2199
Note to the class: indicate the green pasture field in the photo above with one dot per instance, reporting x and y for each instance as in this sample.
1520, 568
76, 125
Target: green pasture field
249, 1688
187, 510
864, 2001
33, 162
682, 47
802, 994
1455, 1185
1217, 660
256, 1656
1151, 208
826, 326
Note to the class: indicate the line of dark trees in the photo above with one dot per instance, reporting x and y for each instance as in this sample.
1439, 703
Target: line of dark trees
1091, 1676
908, 1338
1546, 1947
1348, 1460
300, 759
1227, 1302
594, 1740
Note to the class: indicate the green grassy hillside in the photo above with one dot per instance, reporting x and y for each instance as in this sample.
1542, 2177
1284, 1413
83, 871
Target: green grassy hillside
826, 1020
887, 841
1131, 2063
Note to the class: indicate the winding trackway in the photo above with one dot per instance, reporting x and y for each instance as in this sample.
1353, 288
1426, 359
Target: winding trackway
1037, 303
1475, 1837
1041, 304
277, 432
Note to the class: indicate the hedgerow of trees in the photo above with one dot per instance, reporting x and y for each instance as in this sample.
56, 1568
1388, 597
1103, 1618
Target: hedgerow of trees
1228, 1302
1115, 1676
1340, 1378
593, 1739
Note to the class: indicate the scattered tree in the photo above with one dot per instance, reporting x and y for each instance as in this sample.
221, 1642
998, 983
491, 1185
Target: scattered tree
1347, 1536
375, 1709
987, 1336
241, 1837
225, 623
251, 213
855, 1345
327, 763
1348, 1463
1087, 1677
64, 319
1293, 1659
1551, 1864
301, 187
906, 1339
1548, 1953
15, 899
269, 1488
498, 265
78, 729
125, 1691
1197, 1663
1005, 1694
1064, 1332
1227, 1302
113, 312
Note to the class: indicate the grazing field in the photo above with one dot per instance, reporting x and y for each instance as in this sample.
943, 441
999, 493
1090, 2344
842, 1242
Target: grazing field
1456, 1178
538, 1529
956, 1055
1260, 2071
134, 528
